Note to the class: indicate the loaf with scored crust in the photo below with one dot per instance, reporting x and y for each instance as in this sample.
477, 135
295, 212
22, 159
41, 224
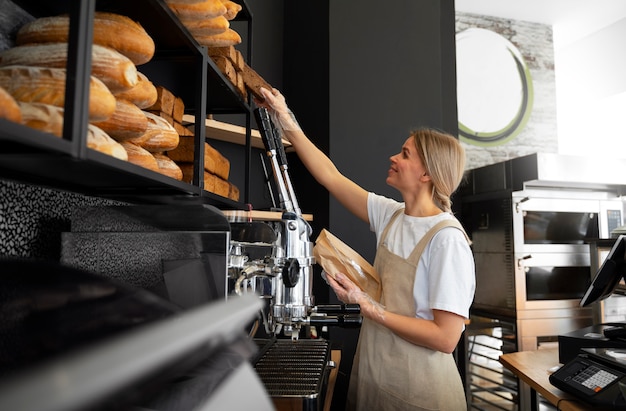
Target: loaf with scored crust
9, 108
127, 121
143, 95
112, 30
159, 136
47, 85
168, 167
140, 156
114, 69
49, 119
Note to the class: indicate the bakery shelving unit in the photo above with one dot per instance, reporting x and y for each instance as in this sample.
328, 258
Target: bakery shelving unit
179, 64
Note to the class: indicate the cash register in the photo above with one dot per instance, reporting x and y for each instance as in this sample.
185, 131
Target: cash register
596, 373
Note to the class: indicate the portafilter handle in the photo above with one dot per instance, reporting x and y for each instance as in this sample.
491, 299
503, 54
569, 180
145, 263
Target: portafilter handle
344, 321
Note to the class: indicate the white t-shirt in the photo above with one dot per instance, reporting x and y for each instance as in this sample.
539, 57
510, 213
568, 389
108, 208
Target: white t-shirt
445, 278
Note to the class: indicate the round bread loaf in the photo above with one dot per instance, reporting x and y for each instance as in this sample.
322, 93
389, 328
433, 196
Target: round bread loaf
109, 29
143, 95
9, 108
114, 69
160, 135
127, 121
140, 156
47, 85
168, 167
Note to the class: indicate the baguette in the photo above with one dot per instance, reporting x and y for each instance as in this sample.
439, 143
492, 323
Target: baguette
232, 9
143, 95
9, 107
224, 39
114, 69
159, 136
207, 27
168, 167
206, 9
47, 85
109, 29
127, 121
139, 156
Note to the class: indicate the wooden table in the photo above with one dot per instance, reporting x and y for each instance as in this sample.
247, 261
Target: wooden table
533, 368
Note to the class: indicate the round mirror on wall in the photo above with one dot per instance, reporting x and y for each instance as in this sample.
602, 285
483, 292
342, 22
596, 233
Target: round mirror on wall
494, 88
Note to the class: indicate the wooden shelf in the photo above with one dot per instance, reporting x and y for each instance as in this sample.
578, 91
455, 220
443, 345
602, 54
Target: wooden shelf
230, 133
257, 215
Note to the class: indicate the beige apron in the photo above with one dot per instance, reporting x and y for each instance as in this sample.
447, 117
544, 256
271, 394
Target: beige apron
388, 372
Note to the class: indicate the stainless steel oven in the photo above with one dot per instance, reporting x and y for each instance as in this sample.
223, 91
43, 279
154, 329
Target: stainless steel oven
551, 234
531, 220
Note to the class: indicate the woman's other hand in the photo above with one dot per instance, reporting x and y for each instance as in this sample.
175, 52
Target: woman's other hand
350, 293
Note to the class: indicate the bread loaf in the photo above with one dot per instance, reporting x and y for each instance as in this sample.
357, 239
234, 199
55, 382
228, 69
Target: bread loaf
232, 9
164, 102
100, 141
212, 183
214, 161
114, 69
43, 117
207, 27
206, 9
140, 156
109, 29
159, 136
47, 85
168, 166
224, 39
231, 53
127, 121
178, 111
254, 82
143, 95
9, 108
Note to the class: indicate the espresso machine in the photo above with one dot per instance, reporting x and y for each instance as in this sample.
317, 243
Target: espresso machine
274, 259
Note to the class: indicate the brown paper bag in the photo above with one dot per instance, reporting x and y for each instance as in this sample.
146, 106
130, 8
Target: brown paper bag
335, 256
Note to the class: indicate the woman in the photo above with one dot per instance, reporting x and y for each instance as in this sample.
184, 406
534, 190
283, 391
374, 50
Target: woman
403, 359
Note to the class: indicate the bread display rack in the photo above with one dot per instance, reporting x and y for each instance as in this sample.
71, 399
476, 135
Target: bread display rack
179, 63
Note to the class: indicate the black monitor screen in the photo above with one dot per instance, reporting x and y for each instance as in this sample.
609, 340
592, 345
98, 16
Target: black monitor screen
609, 275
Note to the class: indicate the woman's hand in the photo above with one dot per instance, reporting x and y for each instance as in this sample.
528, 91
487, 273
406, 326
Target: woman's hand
281, 114
350, 293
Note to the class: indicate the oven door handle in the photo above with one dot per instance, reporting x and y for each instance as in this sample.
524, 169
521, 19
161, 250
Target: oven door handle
520, 260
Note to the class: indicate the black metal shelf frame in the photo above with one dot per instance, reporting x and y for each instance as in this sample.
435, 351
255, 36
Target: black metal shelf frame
179, 64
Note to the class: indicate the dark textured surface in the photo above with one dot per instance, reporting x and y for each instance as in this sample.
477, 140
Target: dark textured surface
32, 219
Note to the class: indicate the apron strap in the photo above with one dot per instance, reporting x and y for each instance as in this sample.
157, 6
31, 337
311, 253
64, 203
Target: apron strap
419, 248
388, 226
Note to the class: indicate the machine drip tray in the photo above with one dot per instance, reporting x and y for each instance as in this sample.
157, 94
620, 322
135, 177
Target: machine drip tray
294, 372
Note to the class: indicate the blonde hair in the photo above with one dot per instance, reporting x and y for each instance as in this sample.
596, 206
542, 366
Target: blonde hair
443, 157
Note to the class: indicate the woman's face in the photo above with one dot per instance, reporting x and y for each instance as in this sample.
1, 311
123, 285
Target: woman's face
406, 171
